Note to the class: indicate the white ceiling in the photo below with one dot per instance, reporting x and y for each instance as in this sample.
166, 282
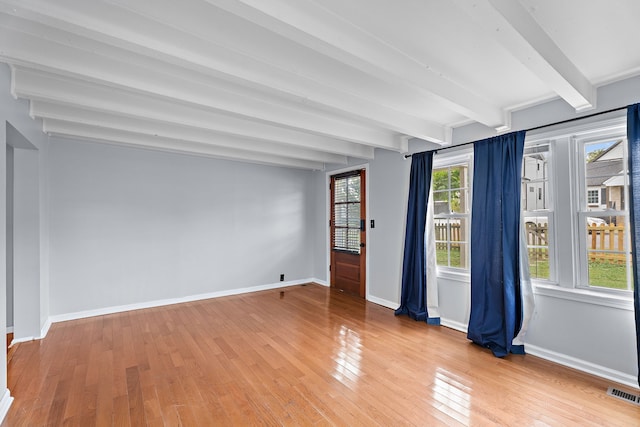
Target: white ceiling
306, 83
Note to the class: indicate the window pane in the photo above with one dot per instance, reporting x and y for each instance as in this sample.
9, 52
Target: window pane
353, 184
340, 190
459, 201
353, 240
340, 238
451, 245
535, 163
608, 256
340, 215
441, 202
458, 255
539, 262
537, 229
604, 175
535, 179
354, 215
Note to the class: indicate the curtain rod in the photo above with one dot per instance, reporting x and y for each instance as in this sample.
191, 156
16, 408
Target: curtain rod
406, 156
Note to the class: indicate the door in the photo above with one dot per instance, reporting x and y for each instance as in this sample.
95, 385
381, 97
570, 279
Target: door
348, 232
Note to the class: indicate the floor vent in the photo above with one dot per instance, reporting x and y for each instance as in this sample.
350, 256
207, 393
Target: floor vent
620, 394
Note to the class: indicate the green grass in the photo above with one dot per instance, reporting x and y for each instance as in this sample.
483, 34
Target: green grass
602, 274
607, 274
441, 258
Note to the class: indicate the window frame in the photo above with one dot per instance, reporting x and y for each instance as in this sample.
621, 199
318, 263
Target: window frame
549, 212
459, 157
569, 279
598, 193
583, 212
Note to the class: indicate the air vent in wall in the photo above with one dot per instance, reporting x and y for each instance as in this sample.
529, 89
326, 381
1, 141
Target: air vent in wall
621, 394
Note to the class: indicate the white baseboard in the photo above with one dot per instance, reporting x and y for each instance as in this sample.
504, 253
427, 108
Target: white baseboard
5, 404
45, 329
9, 329
158, 303
453, 325
563, 359
43, 333
582, 365
320, 282
383, 302
23, 339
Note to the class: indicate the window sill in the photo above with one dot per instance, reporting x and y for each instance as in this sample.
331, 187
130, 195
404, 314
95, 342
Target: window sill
621, 302
457, 275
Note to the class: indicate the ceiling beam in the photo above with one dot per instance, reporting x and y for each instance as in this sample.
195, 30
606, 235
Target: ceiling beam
85, 117
75, 130
43, 87
299, 91
319, 29
27, 49
511, 25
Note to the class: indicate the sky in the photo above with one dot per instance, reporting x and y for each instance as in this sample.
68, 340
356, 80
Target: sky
592, 147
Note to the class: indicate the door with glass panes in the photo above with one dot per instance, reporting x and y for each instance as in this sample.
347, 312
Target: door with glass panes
348, 232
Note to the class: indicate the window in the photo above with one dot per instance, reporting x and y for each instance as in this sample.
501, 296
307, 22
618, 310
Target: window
603, 215
450, 186
593, 197
574, 192
537, 210
346, 213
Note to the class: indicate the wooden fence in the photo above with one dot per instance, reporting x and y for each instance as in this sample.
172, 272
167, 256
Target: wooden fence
604, 242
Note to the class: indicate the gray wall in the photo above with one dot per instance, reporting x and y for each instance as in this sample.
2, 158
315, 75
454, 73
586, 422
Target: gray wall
131, 226
26, 244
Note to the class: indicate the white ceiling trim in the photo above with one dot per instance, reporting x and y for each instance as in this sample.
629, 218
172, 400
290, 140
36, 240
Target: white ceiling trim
511, 25
75, 130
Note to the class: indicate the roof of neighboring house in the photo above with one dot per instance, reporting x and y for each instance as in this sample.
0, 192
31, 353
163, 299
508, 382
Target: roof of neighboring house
601, 168
605, 152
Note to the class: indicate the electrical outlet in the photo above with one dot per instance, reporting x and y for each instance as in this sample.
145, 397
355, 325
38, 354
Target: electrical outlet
282, 277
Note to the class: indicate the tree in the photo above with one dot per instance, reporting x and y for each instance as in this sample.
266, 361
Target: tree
447, 179
594, 154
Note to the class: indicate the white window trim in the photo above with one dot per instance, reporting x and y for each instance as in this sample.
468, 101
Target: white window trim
589, 296
568, 285
582, 205
565, 285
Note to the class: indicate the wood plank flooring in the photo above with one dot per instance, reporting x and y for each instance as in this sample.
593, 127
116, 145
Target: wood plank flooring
307, 356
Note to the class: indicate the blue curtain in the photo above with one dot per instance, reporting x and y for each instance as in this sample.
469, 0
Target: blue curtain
413, 300
633, 138
496, 303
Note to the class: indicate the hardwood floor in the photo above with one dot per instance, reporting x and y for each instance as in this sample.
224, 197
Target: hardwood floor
308, 356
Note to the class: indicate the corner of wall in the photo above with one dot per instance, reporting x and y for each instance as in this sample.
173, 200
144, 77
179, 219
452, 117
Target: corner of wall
5, 404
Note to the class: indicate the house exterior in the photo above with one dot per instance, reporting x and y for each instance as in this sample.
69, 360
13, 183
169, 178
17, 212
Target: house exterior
604, 184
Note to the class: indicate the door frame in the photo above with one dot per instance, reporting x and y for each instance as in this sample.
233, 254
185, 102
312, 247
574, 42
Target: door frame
327, 195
